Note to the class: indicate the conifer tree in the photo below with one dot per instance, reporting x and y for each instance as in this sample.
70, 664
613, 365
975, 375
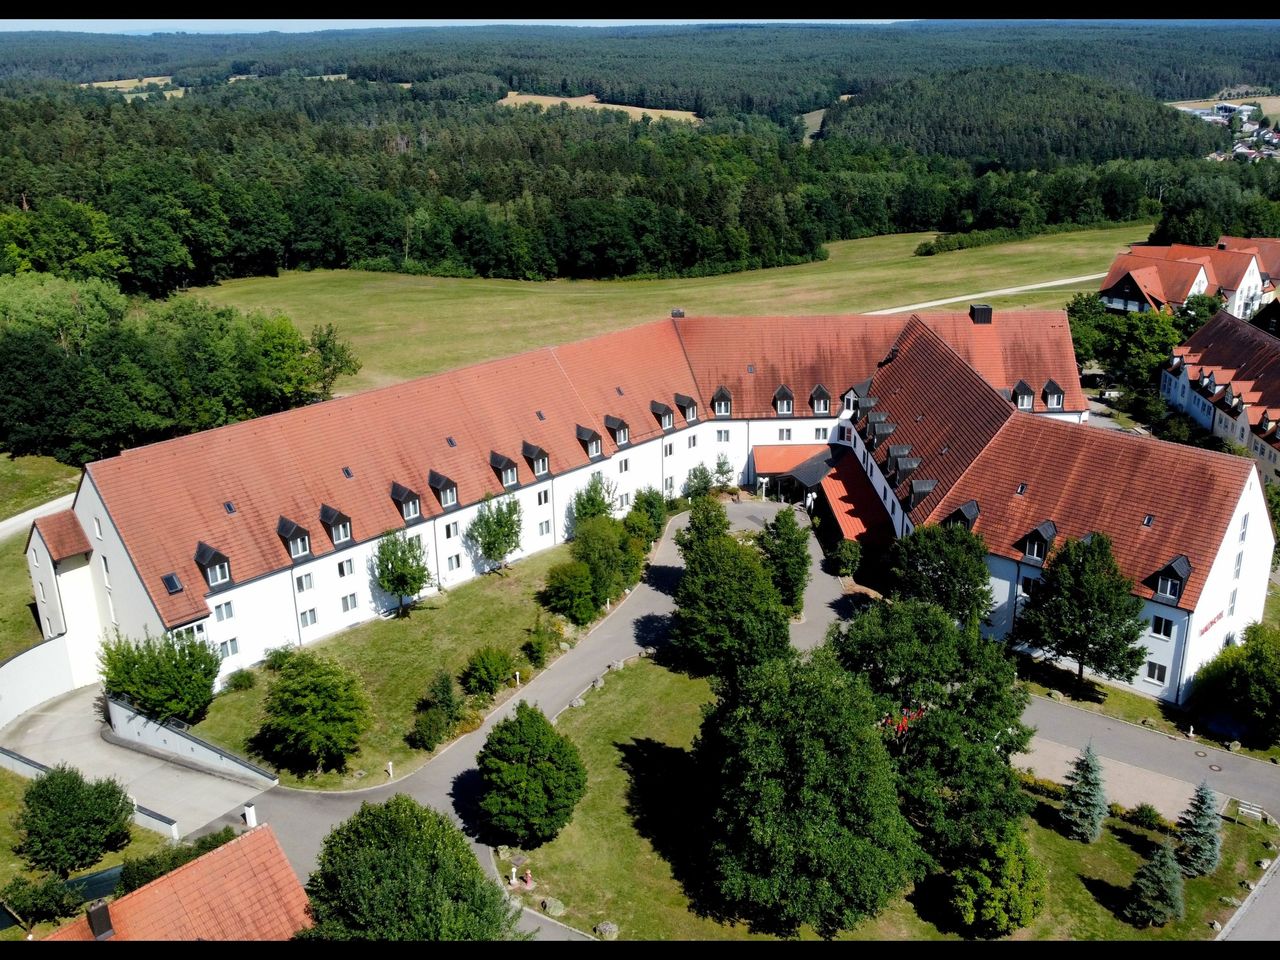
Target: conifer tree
1155, 897
1085, 805
1200, 830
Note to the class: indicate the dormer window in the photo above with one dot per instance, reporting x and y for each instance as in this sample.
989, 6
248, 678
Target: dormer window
590, 441
214, 563
1170, 579
446, 490
722, 402
297, 537
820, 400
1170, 587
688, 406
337, 523
620, 429
1035, 545
1022, 396
783, 401
539, 462
408, 502
663, 412
505, 467
1052, 395
850, 399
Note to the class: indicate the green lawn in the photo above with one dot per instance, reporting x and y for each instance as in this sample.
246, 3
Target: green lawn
27, 482
620, 856
18, 628
395, 659
403, 326
12, 787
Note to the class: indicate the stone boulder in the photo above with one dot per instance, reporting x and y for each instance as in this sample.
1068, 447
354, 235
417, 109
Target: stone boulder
1234, 746
608, 930
1056, 696
552, 907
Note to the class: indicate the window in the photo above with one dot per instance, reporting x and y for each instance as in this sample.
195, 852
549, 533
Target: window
624, 501
106, 574
669, 484
1169, 587
544, 497
228, 648
509, 476
1155, 671
784, 434
544, 528
307, 618
723, 408
821, 433
1148, 520
223, 611
97, 528
1055, 401
668, 419
593, 448
690, 413
449, 495
195, 630
346, 568
1162, 627
1035, 548
451, 530
303, 582
722, 436
300, 546
667, 448
624, 465
1024, 401
821, 405
1028, 586
1022, 488
219, 573
784, 406
412, 509
624, 435
342, 531
1239, 563
1231, 607
346, 472
455, 562
348, 603
693, 441
846, 433
541, 465
1244, 522
848, 402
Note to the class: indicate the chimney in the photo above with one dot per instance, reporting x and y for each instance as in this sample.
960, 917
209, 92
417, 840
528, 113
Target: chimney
100, 920
979, 313
677, 313
1222, 246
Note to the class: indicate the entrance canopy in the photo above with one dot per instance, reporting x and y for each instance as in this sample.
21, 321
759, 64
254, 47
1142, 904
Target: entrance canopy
774, 459
854, 503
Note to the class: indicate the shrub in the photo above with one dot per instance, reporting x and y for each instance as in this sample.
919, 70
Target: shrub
569, 592
315, 712
1147, 817
38, 901
603, 545
848, 557
1005, 890
278, 657
430, 728
652, 502
140, 871
698, 483
677, 505
536, 649
67, 823
487, 670
639, 525
1041, 786
241, 680
438, 713
163, 677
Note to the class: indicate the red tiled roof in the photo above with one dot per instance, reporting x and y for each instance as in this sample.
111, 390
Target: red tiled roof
1226, 267
1161, 280
62, 534
1267, 250
939, 406
853, 501
243, 890
1086, 480
779, 458
1236, 353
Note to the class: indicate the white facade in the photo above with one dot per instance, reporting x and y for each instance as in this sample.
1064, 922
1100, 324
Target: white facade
1230, 424
1245, 300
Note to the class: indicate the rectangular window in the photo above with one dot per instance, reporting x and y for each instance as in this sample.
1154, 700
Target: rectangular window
451, 530
195, 630
412, 509
346, 568
342, 532
97, 528
1244, 521
624, 501
1027, 587
223, 611
299, 546
1035, 548
693, 442
35, 560
303, 583
1055, 401
449, 495
784, 434
1162, 627
722, 436
784, 406
308, 617
544, 528
624, 465
669, 484
667, 448
106, 574
348, 603
821, 433
722, 408
509, 476
691, 414
1169, 587
219, 573
624, 436
455, 562
541, 465
544, 497
593, 448
667, 421
1231, 608
1239, 563
1024, 401
821, 406
846, 433
228, 648
1155, 671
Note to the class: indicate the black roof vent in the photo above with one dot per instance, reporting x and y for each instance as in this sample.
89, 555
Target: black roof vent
438, 481
890, 357
229, 506
99, 915
402, 494
450, 441
171, 583
751, 368
207, 556
979, 313
677, 313
619, 391
540, 414
346, 472
1149, 519
1022, 488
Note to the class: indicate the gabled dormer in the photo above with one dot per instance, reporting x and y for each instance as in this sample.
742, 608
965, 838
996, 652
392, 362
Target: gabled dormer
337, 523
881, 432
722, 402
407, 502
688, 407
295, 537
446, 490
904, 467
873, 418
1022, 395
537, 458
820, 401
505, 468
214, 564
966, 514
919, 489
784, 401
1170, 581
1036, 544
590, 441
619, 428
1053, 395
666, 418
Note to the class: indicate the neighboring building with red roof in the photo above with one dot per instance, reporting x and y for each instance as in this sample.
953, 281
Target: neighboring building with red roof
262, 533
243, 890
1158, 277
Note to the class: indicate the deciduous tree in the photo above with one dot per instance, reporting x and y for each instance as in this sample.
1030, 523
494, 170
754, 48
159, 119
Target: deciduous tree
313, 716
947, 565
495, 531
400, 567
785, 545
164, 677
68, 823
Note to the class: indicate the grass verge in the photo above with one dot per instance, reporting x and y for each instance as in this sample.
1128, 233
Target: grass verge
27, 482
18, 628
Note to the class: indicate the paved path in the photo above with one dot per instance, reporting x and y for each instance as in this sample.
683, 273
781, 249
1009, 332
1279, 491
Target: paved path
986, 294
21, 522
68, 730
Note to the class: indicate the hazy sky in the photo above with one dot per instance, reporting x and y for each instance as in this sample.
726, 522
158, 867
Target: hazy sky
302, 26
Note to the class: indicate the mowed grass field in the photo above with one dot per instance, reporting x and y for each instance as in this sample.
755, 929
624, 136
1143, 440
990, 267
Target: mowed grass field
1270, 105
404, 327
592, 102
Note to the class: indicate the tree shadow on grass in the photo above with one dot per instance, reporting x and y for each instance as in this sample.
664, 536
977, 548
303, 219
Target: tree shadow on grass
931, 899
1047, 816
1110, 896
663, 577
666, 800
1139, 843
